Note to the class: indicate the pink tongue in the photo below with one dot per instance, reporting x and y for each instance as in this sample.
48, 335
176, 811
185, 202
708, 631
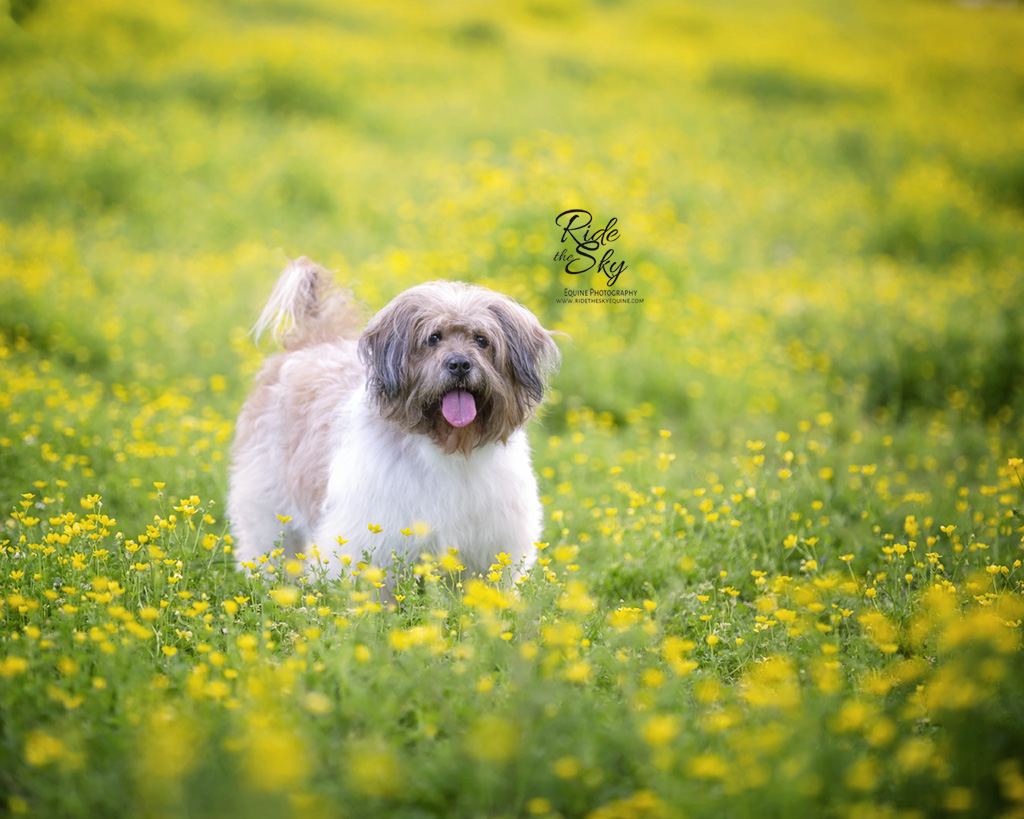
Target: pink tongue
458, 408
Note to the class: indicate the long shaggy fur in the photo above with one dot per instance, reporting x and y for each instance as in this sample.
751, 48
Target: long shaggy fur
352, 436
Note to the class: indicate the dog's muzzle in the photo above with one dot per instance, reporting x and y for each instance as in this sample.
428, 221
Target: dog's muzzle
458, 365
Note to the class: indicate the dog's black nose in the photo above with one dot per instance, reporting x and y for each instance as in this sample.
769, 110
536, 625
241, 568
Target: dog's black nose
458, 365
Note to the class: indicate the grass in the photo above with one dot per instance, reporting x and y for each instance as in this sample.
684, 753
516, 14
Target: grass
782, 563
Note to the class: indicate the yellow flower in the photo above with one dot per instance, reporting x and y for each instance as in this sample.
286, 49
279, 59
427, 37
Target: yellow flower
43, 749
374, 768
862, 775
575, 598
275, 756
10, 666
673, 651
67, 666
284, 595
708, 766
451, 563
567, 767
486, 598
405, 639
773, 683
373, 575
660, 730
318, 703
853, 716
566, 554
653, 678
493, 739
624, 618
958, 800
579, 672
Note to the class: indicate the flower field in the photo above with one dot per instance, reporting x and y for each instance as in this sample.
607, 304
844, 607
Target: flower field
782, 570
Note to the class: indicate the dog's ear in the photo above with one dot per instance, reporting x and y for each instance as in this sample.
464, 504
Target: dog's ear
531, 355
384, 348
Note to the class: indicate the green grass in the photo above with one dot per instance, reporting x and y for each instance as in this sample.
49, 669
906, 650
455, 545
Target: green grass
782, 571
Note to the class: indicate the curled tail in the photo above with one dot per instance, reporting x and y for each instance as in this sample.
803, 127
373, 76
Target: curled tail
306, 308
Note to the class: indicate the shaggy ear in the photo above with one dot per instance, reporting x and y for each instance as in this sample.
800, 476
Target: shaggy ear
384, 348
532, 356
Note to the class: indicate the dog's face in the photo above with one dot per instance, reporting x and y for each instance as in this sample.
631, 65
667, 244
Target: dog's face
460, 363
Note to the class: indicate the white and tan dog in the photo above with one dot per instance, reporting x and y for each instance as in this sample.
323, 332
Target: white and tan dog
406, 439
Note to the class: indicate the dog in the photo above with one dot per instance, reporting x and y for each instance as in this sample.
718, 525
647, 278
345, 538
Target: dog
404, 439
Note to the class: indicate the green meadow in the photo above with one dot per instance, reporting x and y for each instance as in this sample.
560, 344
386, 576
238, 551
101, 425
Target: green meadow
781, 572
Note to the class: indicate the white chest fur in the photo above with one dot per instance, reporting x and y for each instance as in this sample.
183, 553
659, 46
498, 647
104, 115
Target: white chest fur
390, 493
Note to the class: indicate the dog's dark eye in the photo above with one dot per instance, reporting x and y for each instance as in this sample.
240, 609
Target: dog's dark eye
481, 341
433, 339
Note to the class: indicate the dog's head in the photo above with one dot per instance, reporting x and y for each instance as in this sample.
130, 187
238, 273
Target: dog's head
457, 362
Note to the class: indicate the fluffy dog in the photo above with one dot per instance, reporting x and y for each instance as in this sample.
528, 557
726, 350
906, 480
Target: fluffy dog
405, 439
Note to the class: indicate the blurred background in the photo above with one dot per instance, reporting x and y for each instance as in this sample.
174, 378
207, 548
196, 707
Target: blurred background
821, 206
